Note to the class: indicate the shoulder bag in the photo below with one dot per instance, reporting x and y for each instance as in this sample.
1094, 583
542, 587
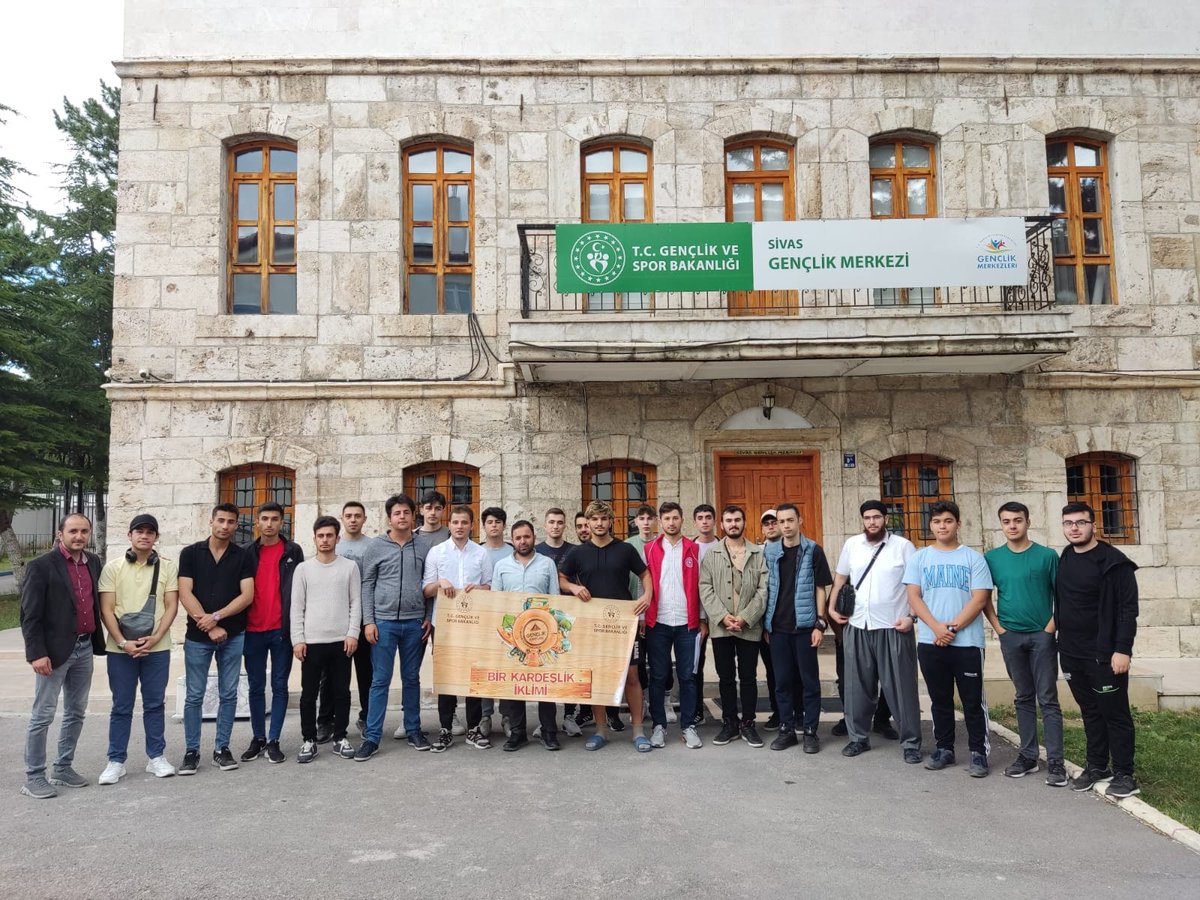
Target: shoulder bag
137, 625
844, 604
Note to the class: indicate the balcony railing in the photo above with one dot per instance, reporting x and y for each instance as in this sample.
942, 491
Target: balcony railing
540, 297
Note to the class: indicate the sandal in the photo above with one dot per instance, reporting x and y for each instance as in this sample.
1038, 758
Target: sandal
642, 744
595, 742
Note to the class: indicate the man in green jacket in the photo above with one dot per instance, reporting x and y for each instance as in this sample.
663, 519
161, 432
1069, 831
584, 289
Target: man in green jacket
733, 591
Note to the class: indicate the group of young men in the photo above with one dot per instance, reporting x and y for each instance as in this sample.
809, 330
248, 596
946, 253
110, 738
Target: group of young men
362, 602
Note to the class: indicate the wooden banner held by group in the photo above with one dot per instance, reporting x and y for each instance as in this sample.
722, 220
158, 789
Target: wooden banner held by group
519, 646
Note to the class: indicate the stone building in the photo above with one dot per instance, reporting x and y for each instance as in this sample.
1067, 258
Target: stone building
335, 253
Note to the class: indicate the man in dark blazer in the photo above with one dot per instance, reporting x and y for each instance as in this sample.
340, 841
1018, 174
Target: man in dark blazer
60, 621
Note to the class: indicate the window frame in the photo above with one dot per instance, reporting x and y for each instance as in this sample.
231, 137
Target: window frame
1096, 497
898, 175
443, 472
1075, 216
912, 519
266, 222
622, 505
440, 181
760, 303
263, 492
616, 181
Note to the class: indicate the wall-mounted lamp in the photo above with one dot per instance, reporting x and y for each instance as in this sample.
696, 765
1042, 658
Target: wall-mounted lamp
768, 399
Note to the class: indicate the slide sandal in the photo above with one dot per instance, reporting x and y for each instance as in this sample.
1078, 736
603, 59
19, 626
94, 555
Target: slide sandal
595, 742
642, 744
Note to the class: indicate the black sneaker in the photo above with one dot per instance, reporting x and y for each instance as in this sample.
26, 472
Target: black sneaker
443, 741
1089, 776
855, 748
308, 752
274, 754
699, 718
1020, 767
224, 760
886, 731
550, 741
585, 718
515, 742
750, 735
1056, 773
477, 739
257, 746
941, 759
729, 732
840, 729
365, 751
912, 756
418, 741
191, 762
772, 724
324, 734
614, 720
812, 744
784, 740
1123, 786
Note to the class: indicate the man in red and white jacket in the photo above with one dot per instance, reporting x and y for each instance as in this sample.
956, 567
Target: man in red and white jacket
673, 622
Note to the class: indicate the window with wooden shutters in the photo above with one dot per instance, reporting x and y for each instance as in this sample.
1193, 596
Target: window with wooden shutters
250, 486
903, 186
1107, 483
439, 229
909, 486
1081, 234
458, 482
624, 484
616, 188
262, 228
760, 187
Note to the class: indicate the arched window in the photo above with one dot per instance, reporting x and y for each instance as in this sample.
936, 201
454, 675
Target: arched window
1107, 483
439, 228
617, 188
903, 186
459, 482
624, 484
250, 486
760, 187
261, 260
1081, 234
908, 486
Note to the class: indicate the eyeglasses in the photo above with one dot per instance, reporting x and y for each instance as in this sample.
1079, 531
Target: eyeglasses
1076, 523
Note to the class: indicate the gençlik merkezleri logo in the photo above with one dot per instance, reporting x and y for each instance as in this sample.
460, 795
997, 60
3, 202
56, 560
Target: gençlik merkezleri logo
597, 258
537, 634
997, 251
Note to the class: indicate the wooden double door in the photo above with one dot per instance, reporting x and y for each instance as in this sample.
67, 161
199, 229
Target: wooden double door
758, 483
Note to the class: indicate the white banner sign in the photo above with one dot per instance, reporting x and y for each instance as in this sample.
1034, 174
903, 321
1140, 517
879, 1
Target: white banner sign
889, 253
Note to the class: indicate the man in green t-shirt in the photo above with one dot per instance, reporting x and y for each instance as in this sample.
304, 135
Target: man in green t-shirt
1023, 617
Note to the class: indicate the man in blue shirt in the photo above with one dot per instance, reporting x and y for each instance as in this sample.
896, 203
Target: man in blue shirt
948, 587
530, 572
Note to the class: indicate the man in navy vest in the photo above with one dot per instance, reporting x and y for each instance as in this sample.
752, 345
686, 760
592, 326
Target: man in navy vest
798, 581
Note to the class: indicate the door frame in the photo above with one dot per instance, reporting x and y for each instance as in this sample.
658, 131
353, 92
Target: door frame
755, 452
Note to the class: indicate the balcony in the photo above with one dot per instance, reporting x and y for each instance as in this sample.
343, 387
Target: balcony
783, 334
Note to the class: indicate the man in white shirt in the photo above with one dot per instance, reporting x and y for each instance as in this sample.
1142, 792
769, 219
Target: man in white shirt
453, 565
531, 572
879, 641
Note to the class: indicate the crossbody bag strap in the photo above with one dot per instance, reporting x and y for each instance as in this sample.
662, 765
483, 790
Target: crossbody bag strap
871, 563
152, 600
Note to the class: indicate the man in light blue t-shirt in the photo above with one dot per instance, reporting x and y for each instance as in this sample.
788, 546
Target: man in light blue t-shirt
948, 587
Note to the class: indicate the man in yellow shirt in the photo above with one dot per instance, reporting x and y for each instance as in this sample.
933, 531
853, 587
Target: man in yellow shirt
138, 651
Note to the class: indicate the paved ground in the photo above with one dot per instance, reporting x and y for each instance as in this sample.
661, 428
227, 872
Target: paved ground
723, 821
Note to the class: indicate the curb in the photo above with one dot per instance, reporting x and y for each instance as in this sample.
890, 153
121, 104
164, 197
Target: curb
1135, 806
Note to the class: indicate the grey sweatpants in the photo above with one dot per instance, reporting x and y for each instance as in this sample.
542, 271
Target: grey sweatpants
881, 657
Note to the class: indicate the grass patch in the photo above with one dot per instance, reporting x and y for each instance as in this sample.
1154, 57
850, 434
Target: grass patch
10, 611
1166, 764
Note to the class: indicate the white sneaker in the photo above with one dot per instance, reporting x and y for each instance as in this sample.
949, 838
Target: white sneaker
400, 734
505, 727
485, 726
537, 733
458, 726
672, 717
658, 737
571, 727
160, 768
692, 739
112, 773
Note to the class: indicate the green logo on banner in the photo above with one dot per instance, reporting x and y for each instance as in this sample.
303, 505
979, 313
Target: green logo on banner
598, 258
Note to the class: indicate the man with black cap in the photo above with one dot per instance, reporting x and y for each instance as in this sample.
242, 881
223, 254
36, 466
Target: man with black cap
139, 596
877, 637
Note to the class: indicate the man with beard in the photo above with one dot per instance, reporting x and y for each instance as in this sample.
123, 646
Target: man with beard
880, 649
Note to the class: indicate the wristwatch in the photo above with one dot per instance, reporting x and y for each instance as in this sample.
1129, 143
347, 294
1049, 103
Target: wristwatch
216, 617
822, 624
122, 644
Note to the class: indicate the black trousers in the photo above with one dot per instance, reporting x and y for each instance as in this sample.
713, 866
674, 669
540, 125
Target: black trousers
447, 704
701, 660
516, 713
326, 663
882, 712
1103, 700
943, 669
765, 649
737, 667
362, 674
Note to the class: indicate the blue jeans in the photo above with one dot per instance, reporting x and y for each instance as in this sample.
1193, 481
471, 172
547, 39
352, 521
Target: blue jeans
124, 673
404, 636
661, 640
197, 660
260, 644
73, 679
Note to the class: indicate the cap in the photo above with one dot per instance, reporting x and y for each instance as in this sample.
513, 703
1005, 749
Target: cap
144, 520
769, 514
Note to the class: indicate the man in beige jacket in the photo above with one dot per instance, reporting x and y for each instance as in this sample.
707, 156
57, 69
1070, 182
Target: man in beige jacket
733, 590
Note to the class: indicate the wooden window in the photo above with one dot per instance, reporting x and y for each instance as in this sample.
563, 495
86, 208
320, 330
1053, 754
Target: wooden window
760, 187
1107, 483
903, 186
458, 481
1081, 234
439, 229
909, 486
624, 484
250, 486
262, 228
617, 188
